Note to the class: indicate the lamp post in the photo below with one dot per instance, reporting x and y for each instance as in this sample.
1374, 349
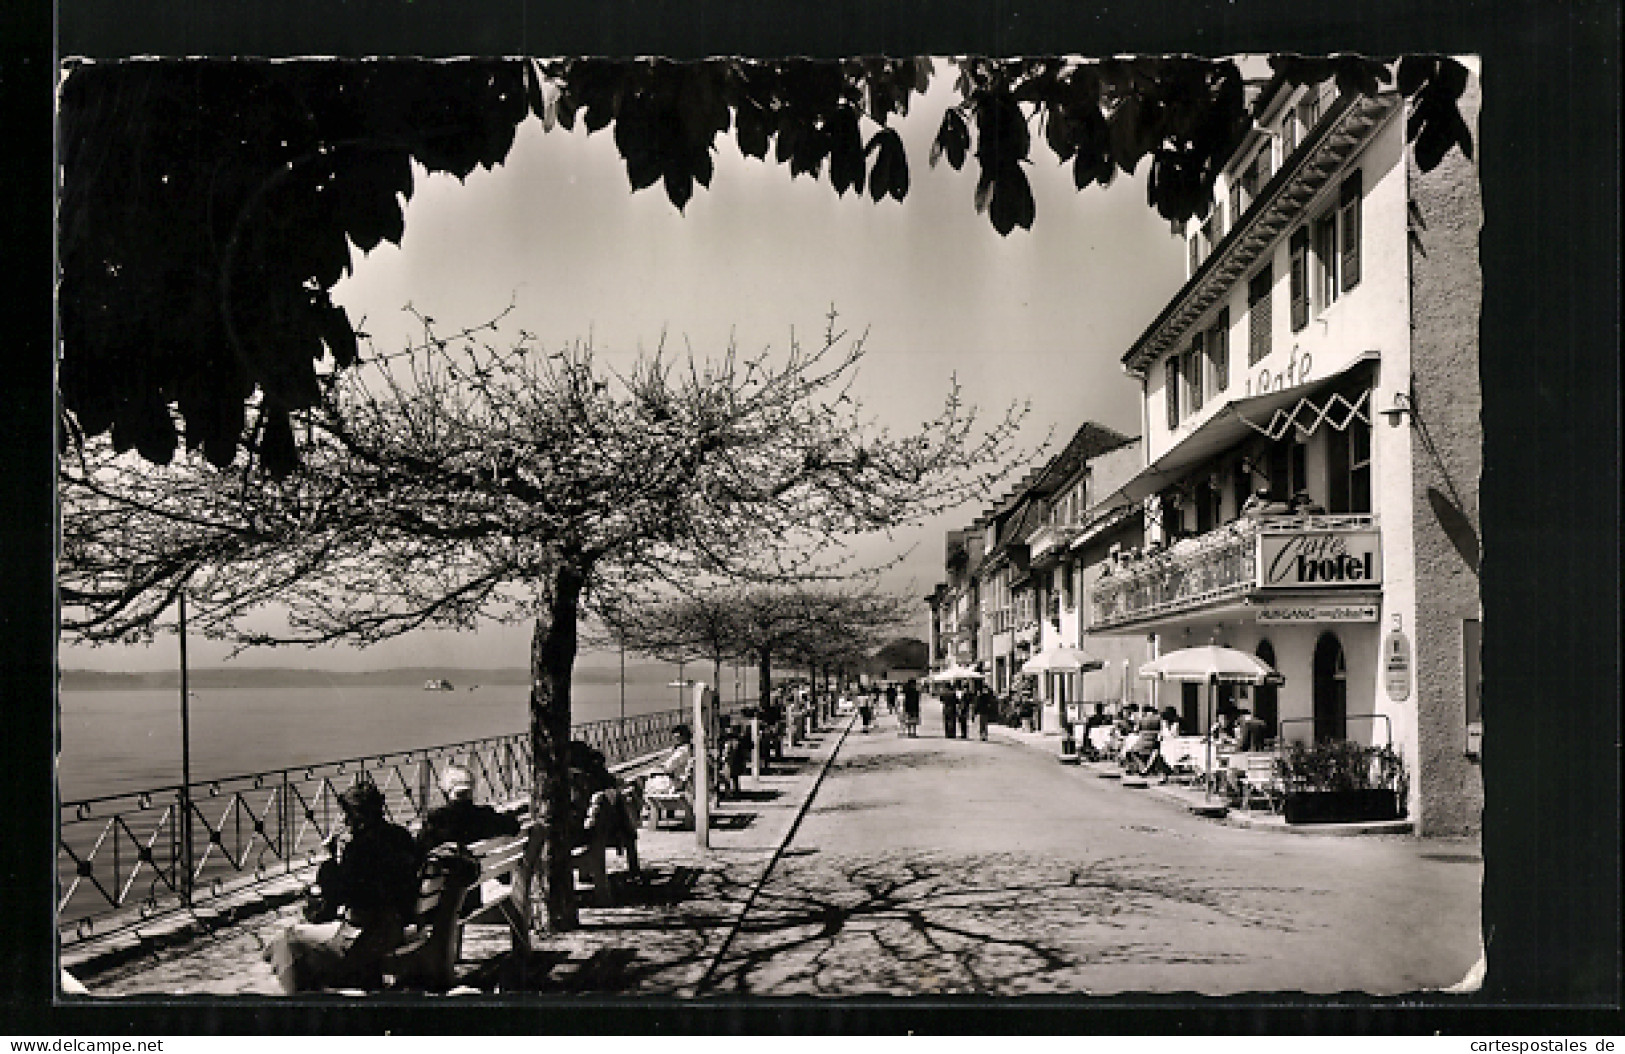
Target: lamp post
186, 765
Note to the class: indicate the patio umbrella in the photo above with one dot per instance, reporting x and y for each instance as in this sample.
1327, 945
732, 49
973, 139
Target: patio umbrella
1210, 664
958, 673
1064, 659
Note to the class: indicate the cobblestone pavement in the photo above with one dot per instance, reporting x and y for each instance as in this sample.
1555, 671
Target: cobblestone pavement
929, 866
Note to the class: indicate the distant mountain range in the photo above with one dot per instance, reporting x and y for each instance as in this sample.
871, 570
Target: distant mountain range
282, 677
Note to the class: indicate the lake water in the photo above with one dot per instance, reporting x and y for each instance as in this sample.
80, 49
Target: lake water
123, 741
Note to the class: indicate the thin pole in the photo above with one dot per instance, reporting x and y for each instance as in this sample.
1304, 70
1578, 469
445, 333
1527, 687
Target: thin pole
702, 769
1212, 687
680, 683
186, 763
623, 683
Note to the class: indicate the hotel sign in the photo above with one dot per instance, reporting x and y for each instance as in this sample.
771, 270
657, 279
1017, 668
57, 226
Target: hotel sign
1320, 559
1284, 613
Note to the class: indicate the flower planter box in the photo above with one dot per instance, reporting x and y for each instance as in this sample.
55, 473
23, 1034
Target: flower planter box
1343, 806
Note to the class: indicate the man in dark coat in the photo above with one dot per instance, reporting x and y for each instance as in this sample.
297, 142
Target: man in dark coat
460, 820
950, 712
986, 707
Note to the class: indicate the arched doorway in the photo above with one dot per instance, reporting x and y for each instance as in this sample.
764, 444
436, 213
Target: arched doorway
1266, 701
1331, 689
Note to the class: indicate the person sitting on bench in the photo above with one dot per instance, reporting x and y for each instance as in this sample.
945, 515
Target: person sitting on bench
677, 771
602, 812
371, 878
460, 820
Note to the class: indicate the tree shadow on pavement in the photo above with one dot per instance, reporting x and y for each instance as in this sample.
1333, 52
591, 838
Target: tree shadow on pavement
1000, 924
658, 940
748, 794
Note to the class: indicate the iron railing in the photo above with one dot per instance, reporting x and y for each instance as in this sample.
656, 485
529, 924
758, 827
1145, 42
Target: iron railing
124, 858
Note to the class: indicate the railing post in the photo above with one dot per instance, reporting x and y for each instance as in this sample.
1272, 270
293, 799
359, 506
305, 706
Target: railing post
424, 770
284, 816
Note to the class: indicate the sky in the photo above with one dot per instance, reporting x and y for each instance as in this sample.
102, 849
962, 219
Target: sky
1041, 316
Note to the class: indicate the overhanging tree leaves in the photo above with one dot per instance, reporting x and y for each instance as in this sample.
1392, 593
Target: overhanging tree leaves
459, 480
209, 207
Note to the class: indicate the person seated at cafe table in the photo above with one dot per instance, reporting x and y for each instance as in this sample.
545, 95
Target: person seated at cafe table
1143, 754
1223, 733
1251, 733
1168, 727
1128, 719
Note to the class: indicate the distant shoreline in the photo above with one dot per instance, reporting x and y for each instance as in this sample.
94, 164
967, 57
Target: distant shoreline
287, 677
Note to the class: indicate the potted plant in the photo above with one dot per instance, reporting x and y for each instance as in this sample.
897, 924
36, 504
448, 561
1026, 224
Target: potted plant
1339, 781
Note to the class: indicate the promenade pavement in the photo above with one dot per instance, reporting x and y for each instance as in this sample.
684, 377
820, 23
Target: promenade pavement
935, 867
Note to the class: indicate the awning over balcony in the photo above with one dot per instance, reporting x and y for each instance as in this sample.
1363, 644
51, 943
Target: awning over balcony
1271, 414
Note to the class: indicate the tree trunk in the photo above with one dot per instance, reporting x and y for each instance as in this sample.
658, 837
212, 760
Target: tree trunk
764, 677
547, 857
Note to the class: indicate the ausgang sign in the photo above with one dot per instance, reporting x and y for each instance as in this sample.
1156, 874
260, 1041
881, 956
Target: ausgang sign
1319, 559
1282, 613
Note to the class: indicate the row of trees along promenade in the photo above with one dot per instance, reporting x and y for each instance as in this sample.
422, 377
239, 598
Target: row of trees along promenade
228, 434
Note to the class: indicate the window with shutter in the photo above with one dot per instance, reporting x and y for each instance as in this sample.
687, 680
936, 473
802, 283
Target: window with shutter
1299, 278
1196, 252
1236, 202
1349, 211
1325, 261
1170, 389
1193, 376
1258, 314
1218, 351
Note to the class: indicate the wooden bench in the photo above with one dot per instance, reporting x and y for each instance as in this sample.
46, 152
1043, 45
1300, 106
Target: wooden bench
427, 956
501, 857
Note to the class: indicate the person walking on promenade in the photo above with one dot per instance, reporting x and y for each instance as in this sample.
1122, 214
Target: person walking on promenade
911, 709
866, 710
986, 705
891, 698
950, 712
966, 703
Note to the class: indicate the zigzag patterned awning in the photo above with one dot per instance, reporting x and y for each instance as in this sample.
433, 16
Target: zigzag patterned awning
1305, 406
1335, 411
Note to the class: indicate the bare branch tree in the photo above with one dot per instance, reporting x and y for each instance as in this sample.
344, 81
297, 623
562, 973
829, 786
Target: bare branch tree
459, 479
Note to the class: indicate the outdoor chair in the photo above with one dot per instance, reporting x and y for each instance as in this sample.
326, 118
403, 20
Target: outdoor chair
1260, 782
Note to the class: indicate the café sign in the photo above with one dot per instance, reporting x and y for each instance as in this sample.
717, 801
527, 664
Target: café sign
1319, 559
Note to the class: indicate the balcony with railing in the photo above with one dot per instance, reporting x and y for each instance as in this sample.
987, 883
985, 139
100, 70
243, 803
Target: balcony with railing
1050, 539
1222, 565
